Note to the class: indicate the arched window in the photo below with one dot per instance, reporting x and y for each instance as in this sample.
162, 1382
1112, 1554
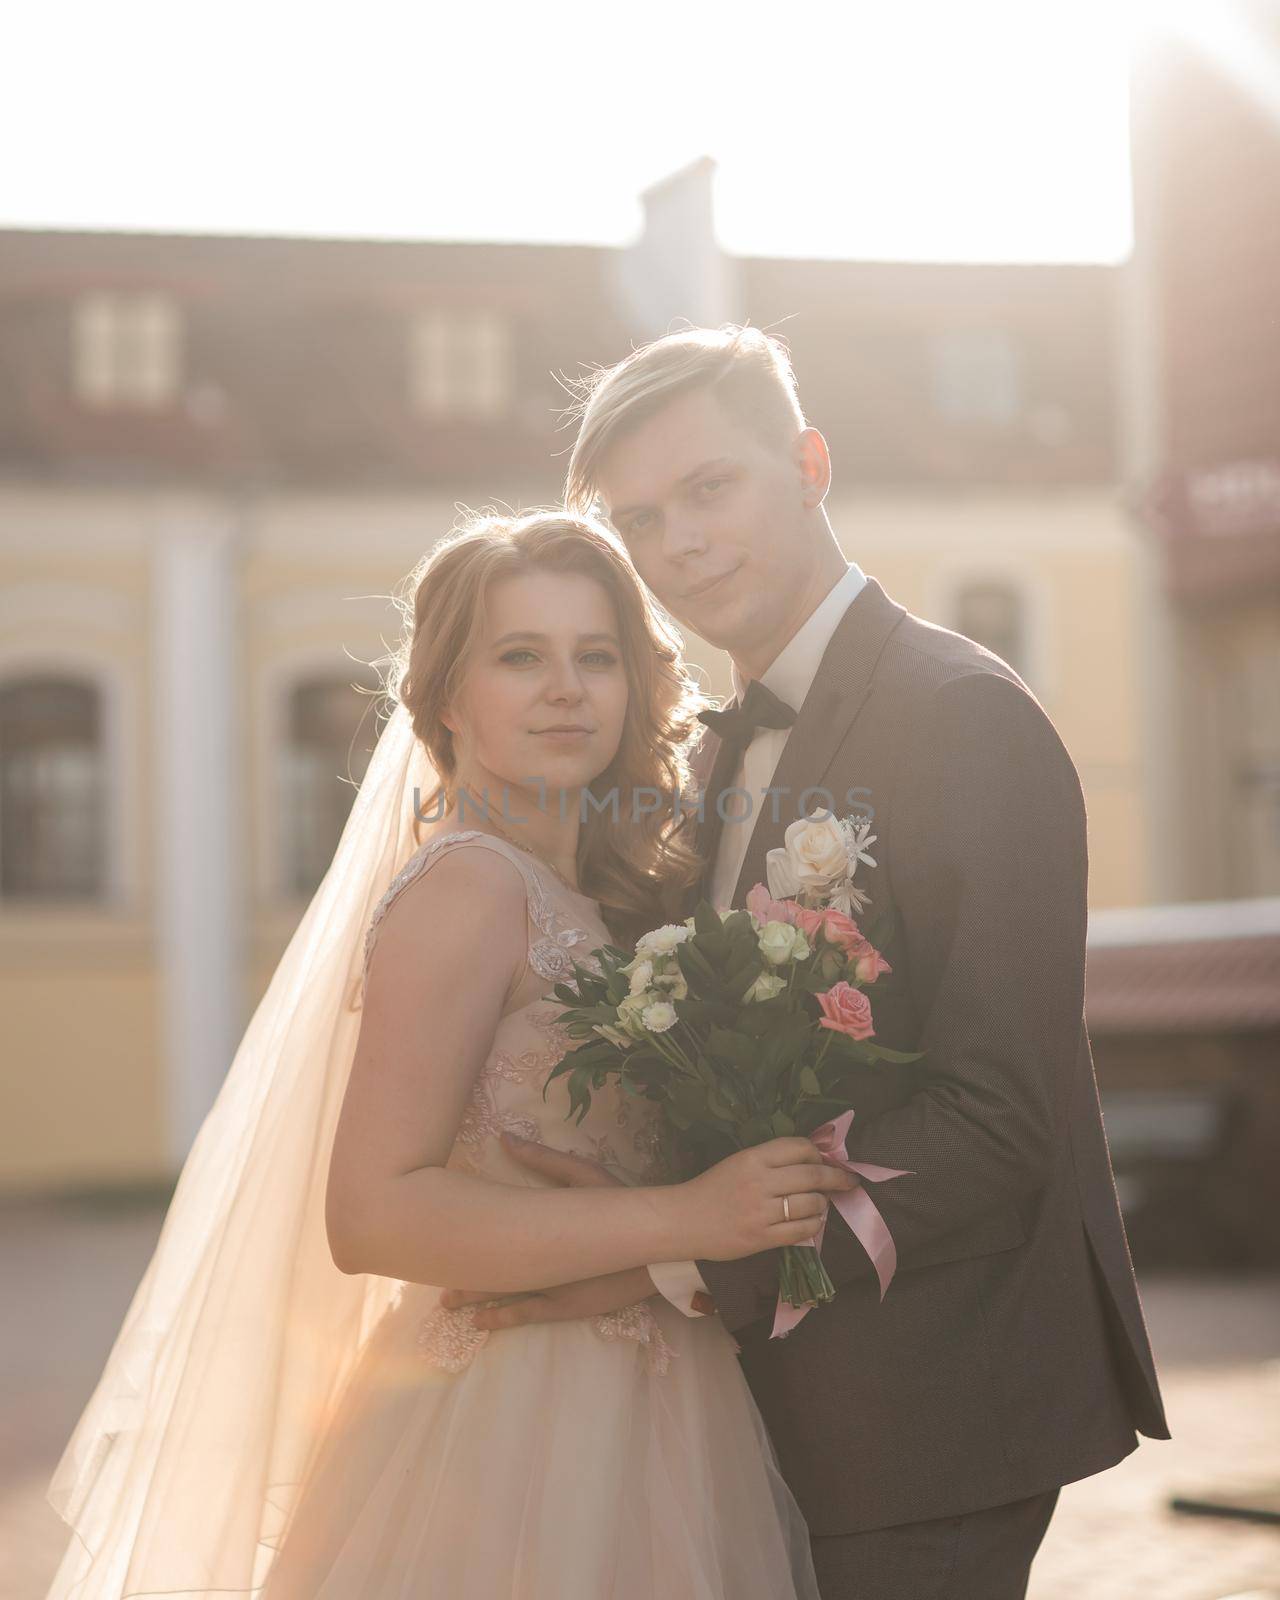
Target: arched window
331, 730
993, 613
52, 789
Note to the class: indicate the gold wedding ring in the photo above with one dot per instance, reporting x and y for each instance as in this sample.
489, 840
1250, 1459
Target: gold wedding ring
786, 1207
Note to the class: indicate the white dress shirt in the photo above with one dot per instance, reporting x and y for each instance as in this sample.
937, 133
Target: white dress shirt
790, 676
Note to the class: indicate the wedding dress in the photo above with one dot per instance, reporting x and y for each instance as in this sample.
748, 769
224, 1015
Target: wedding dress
266, 1425
615, 1457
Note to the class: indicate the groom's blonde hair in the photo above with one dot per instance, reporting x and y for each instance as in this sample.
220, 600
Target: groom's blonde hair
749, 370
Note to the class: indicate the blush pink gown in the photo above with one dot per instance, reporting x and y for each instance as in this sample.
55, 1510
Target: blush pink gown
617, 1457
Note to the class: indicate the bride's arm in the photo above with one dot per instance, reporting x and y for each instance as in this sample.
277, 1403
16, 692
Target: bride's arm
447, 952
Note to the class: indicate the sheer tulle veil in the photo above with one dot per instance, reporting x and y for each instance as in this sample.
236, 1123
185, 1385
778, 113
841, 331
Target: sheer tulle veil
183, 1466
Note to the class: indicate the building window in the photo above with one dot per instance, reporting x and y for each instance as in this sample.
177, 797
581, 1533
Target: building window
993, 614
330, 733
460, 365
125, 351
976, 377
52, 790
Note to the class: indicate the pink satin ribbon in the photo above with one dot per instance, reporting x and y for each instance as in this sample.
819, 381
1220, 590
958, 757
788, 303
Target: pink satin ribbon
858, 1210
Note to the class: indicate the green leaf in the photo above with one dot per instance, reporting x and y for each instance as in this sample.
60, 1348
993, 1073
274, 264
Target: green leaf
706, 920
705, 1013
719, 1106
733, 1047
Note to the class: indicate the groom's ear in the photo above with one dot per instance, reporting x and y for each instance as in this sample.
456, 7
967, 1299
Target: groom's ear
813, 461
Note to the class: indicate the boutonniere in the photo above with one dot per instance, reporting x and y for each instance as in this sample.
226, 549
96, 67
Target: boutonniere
817, 860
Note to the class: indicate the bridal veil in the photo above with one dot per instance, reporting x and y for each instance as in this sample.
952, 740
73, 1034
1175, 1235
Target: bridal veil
181, 1471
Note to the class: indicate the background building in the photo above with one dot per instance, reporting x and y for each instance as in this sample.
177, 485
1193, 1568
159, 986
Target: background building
1203, 433
1183, 998
219, 454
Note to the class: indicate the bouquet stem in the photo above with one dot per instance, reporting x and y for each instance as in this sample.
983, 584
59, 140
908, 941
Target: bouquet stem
802, 1278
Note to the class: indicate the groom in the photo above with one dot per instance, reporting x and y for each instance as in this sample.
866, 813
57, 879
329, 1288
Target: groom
925, 1437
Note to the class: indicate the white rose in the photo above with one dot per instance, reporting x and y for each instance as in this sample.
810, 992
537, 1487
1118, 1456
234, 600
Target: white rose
766, 986
659, 1017
816, 850
780, 942
662, 941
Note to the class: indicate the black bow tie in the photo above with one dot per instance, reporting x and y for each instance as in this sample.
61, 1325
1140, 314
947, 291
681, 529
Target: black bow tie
760, 708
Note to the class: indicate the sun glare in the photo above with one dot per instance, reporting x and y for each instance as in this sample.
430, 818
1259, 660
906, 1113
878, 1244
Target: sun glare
919, 130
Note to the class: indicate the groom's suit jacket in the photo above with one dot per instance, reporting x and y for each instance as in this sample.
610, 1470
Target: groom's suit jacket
1010, 1353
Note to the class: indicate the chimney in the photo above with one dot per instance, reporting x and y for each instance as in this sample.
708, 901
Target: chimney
676, 269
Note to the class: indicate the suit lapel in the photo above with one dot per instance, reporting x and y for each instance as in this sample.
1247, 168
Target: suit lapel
839, 688
711, 763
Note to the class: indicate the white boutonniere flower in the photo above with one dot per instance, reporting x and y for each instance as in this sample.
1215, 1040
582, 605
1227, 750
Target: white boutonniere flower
817, 860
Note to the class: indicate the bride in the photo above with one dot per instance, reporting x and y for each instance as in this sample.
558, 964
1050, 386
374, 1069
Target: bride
289, 1410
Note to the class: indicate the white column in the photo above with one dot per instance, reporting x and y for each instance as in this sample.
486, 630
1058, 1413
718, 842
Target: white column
198, 839
1143, 458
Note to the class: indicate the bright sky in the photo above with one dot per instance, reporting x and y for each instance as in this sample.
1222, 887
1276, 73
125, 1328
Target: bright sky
899, 129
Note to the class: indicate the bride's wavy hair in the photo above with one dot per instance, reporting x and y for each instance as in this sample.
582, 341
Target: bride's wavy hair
638, 866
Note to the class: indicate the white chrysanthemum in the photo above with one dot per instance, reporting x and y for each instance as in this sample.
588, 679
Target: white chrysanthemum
658, 1017
661, 941
641, 976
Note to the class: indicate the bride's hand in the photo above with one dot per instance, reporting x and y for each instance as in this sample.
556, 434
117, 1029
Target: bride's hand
734, 1208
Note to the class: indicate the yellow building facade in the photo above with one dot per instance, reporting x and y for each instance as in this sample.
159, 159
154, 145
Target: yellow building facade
186, 613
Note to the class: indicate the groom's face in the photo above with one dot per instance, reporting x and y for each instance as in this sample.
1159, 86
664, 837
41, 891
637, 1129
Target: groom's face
717, 522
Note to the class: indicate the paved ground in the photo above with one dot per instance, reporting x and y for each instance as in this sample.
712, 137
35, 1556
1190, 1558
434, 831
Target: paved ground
67, 1278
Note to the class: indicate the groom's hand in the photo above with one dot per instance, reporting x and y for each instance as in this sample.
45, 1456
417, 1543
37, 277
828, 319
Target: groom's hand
562, 1166
588, 1297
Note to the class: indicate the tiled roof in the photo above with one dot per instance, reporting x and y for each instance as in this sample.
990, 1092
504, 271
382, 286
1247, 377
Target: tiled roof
294, 360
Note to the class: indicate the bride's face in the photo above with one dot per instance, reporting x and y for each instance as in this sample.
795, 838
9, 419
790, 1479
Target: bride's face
545, 695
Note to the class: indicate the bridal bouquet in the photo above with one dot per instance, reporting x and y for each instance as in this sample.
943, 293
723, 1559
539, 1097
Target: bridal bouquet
747, 1026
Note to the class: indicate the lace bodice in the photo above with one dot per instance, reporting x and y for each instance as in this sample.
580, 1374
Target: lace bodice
619, 1131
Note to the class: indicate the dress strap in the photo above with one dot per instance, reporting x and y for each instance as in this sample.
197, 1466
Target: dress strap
555, 932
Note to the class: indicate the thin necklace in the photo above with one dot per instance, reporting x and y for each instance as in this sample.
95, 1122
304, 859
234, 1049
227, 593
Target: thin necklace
530, 851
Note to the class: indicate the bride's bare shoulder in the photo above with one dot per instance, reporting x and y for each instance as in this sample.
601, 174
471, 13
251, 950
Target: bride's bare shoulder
458, 906
457, 885
461, 863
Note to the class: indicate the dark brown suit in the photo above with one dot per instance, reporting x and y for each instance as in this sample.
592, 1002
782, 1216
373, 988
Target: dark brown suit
1010, 1354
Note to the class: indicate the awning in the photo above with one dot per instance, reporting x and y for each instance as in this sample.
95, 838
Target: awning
1209, 967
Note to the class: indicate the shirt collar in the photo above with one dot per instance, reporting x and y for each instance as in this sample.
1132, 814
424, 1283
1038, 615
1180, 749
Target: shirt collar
790, 676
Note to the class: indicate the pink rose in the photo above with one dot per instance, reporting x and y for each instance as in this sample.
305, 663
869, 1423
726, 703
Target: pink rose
843, 932
807, 921
870, 965
834, 926
764, 909
846, 1010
